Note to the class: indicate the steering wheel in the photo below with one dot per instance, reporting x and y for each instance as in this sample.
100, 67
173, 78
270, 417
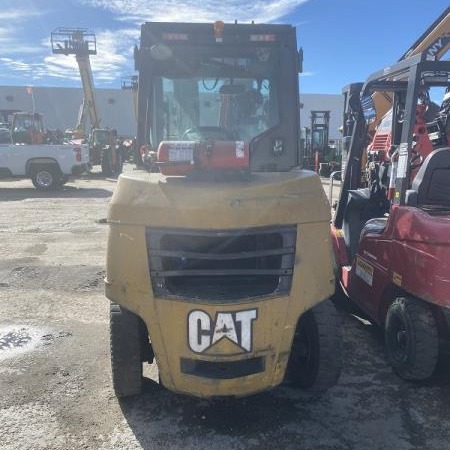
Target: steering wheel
207, 132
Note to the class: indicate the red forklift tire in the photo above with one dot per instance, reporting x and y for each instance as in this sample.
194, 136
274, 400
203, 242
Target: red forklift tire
411, 336
315, 362
126, 351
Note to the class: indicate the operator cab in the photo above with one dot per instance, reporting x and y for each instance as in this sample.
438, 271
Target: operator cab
218, 100
101, 137
27, 128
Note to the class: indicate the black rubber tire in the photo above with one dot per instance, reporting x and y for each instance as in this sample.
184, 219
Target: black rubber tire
126, 351
315, 362
106, 163
64, 179
119, 163
411, 337
45, 176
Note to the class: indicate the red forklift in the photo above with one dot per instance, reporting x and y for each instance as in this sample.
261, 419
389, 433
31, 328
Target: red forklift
391, 225
27, 128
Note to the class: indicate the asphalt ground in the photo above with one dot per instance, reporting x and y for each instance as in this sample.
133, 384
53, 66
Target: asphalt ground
55, 381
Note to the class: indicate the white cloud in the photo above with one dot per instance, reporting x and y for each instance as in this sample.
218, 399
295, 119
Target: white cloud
14, 46
22, 70
11, 41
114, 57
19, 15
115, 48
15, 64
139, 11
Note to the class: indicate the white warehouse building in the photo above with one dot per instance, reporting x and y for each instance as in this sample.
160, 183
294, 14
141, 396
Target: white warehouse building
60, 107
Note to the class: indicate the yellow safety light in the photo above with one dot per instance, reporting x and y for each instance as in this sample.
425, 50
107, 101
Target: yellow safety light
218, 30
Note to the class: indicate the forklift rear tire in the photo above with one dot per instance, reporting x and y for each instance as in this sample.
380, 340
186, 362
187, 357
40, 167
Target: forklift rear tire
119, 164
411, 336
107, 164
315, 363
126, 351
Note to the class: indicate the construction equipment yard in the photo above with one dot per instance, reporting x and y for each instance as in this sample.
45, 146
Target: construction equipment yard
55, 375
226, 279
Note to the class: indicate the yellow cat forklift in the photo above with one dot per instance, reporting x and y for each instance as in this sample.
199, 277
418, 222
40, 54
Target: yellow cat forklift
219, 265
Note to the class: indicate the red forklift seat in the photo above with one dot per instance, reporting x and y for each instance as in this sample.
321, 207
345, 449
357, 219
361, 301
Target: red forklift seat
376, 225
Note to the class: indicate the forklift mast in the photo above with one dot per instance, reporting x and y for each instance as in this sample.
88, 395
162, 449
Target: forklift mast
351, 107
433, 44
320, 130
404, 82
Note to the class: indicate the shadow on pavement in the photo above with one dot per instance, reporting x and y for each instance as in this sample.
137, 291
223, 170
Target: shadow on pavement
15, 194
162, 419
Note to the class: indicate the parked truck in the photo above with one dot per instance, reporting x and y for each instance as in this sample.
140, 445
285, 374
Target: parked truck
48, 166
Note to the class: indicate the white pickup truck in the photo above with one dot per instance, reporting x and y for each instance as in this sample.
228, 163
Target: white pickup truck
48, 166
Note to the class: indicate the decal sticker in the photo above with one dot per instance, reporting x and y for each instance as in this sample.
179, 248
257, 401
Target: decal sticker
181, 151
240, 149
437, 45
402, 160
364, 271
181, 154
204, 332
397, 278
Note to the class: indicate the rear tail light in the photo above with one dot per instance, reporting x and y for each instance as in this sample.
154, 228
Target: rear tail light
263, 37
218, 30
175, 36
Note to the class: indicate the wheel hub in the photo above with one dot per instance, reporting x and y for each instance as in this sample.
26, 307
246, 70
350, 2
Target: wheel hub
44, 178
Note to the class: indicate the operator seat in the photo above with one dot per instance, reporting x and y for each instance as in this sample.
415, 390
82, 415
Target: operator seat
374, 226
431, 186
361, 207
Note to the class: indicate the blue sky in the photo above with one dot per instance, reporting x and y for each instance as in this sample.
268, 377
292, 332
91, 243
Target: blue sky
343, 40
